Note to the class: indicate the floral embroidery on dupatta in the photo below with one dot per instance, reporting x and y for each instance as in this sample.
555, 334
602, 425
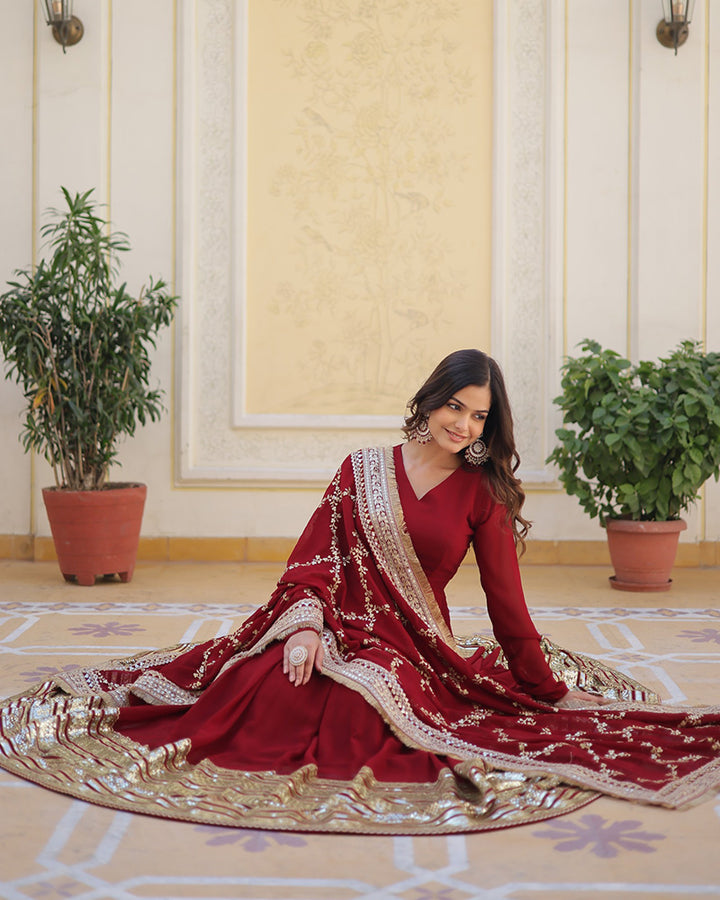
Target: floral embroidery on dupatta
355, 575
382, 517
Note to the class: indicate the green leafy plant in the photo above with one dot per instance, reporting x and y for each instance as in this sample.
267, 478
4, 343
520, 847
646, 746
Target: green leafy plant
80, 345
643, 438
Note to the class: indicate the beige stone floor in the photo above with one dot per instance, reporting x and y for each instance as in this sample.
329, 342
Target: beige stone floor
54, 847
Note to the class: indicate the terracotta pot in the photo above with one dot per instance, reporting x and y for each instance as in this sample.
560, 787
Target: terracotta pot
643, 553
96, 532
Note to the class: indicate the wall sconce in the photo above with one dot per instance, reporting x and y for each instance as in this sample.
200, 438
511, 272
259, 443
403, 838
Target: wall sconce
67, 29
672, 30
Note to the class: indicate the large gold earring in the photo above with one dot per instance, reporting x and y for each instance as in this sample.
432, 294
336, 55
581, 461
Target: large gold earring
421, 432
477, 454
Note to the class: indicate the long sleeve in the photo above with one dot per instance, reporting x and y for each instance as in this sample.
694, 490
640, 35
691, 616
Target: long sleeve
513, 628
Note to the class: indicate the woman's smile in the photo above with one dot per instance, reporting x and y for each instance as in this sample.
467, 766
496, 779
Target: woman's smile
459, 421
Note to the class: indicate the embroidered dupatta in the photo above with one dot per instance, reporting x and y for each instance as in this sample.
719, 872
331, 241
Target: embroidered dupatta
385, 636
354, 577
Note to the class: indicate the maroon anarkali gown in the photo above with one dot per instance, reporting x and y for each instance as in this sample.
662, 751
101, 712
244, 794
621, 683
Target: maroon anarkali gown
405, 730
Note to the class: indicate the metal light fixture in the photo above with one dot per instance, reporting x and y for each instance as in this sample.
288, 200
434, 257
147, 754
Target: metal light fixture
672, 30
67, 29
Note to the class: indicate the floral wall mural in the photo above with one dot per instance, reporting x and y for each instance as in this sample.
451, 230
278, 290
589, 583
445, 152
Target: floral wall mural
368, 218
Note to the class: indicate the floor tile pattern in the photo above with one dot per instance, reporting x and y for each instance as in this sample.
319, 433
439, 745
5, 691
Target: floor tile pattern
54, 847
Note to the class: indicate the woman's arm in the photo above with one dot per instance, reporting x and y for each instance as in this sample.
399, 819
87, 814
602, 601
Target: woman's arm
513, 628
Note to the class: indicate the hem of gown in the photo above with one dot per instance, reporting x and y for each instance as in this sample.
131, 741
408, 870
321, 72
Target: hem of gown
86, 759
574, 800
69, 744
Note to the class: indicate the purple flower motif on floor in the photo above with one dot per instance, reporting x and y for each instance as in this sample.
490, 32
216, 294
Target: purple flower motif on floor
44, 673
105, 629
252, 840
432, 893
602, 837
704, 636
48, 890
630, 657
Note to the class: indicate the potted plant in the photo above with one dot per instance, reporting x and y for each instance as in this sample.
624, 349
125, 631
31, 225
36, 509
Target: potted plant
638, 443
78, 343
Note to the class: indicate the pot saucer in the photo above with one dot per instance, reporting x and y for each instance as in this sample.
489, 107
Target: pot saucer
638, 588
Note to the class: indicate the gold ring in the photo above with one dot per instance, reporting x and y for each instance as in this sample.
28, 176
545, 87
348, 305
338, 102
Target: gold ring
298, 655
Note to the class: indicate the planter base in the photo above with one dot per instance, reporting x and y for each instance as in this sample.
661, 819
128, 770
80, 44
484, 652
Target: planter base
96, 533
642, 553
87, 579
639, 588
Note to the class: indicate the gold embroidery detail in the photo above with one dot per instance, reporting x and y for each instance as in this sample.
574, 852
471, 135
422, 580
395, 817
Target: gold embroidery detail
574, 669
86, 682
68, 744
306, 613
384, 524
383, 691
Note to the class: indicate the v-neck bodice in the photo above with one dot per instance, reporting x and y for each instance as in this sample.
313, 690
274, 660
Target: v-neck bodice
442, 522
421, 497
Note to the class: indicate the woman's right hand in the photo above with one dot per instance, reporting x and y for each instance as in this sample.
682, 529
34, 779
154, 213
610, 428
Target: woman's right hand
310, 640
581, 700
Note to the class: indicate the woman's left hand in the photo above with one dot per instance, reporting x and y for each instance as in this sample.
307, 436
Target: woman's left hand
580, 700
314, 654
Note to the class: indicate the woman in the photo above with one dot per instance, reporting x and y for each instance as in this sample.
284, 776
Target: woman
346, 703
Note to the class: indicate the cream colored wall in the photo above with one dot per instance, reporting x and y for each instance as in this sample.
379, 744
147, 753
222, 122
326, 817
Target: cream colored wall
16, 242
369, 134
639, 201
549, 217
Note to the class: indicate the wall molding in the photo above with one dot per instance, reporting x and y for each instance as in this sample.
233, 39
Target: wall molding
217, 441
528, 220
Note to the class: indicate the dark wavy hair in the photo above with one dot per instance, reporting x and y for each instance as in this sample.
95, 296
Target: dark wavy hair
473, 367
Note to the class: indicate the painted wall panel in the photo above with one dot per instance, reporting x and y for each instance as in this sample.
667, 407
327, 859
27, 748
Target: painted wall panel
368, 200
671, 185
73, 110
16, 240
143, 179
598, 98
711, 261
525, 188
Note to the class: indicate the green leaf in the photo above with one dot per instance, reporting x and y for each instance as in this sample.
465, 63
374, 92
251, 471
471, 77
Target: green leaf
67, 329
649, 434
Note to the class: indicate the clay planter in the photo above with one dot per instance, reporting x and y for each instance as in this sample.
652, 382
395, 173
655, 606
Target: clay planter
96, 532
643, 553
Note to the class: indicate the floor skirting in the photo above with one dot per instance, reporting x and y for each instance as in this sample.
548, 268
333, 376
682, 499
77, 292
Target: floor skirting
276, 549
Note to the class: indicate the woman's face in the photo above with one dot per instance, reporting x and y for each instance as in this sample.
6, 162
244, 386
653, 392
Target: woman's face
461, 420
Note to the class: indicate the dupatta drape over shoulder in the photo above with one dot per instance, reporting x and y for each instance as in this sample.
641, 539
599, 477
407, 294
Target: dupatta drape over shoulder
355, 578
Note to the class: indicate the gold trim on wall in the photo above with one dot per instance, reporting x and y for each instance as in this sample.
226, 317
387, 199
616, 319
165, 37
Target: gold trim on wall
109, 115
34, 224
705, 218
566, 51
630, 185
702, 554
172, 387
706, 180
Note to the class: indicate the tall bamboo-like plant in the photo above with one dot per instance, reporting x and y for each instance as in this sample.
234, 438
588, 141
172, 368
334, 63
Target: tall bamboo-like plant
79, 345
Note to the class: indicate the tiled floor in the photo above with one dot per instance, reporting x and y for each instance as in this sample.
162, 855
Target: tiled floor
54, 847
